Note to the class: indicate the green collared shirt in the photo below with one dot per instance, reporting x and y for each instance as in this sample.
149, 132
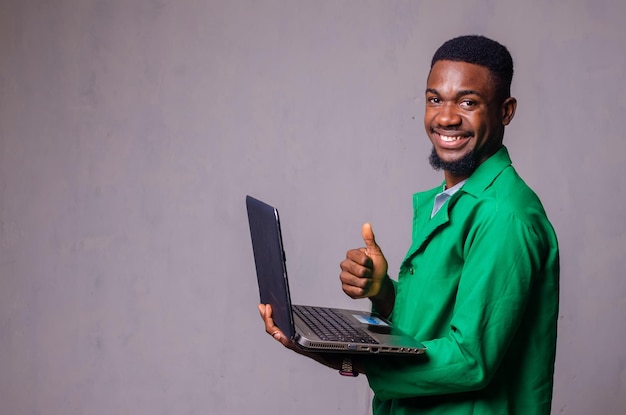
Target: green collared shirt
479, 287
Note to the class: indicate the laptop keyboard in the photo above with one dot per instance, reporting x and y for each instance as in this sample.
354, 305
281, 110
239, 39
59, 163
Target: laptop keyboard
330, 325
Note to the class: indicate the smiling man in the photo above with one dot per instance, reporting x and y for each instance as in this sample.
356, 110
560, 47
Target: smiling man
479, 284
467, 105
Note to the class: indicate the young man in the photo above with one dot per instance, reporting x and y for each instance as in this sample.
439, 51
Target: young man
479, 284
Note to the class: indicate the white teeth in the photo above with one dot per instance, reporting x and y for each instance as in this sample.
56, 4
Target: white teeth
446, 138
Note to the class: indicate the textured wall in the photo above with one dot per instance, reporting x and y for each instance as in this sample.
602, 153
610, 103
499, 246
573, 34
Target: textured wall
130, 132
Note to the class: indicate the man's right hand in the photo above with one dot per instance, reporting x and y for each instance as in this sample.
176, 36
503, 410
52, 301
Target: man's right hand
364, 274
364, 270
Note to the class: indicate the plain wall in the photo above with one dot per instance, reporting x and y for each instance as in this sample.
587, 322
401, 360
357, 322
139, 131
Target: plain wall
131, 131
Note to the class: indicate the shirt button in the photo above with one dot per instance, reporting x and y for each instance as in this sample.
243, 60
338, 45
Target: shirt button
411, 271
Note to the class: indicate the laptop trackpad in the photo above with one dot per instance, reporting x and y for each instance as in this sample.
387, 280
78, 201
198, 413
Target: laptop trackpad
379, 329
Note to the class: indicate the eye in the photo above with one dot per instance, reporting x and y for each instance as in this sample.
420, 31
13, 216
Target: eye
433, 100
468, 104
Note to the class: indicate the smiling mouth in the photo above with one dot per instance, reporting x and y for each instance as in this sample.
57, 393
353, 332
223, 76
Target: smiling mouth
450, 139
453, 138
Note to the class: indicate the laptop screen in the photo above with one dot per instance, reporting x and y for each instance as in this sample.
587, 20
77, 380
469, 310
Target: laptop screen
269, 258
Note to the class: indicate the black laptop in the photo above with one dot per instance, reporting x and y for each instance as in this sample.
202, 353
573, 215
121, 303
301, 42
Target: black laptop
320, 329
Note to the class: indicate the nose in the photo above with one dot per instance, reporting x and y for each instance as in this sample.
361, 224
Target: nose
447, 116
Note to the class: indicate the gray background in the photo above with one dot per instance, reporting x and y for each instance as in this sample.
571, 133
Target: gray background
130, 132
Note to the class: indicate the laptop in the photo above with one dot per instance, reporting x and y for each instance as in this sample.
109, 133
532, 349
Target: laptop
312, 328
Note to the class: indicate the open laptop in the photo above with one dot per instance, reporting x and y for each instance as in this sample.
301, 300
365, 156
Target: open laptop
320, 329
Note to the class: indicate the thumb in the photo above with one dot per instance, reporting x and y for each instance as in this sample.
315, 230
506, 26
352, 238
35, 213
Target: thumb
370, 241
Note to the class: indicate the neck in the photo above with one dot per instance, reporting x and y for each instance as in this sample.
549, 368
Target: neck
453, 179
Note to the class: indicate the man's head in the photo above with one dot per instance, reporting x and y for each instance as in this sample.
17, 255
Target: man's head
468, 103
481, 51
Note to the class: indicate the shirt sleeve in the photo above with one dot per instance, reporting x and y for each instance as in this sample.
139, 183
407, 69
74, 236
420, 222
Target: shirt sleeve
501, 255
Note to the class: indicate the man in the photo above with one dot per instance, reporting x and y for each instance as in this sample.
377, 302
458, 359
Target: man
479, 284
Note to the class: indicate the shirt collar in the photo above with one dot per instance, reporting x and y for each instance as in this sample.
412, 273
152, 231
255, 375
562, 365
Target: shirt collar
487, 172
446, 194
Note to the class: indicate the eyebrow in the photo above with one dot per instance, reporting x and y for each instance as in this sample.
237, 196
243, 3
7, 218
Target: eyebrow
460, 93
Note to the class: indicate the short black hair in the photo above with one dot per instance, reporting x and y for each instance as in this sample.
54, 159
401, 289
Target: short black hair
480, 50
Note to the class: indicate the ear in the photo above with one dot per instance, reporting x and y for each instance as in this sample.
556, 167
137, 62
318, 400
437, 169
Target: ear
508, 110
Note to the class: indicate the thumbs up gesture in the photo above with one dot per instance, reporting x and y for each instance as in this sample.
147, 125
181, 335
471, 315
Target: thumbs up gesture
364, 269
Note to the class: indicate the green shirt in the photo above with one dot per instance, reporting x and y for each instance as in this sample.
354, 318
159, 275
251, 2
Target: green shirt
479, 287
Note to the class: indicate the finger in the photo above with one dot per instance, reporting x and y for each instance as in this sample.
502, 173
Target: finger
370, 241
266, 314
357, 258
357, 269
353, 292
349, 281
272, 329
355, 287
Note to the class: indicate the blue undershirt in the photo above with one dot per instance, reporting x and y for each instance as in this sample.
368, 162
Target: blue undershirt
442, 197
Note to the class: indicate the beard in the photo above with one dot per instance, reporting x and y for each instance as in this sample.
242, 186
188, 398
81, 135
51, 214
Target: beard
462, 167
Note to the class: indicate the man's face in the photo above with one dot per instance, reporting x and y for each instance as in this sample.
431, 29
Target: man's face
464, 119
